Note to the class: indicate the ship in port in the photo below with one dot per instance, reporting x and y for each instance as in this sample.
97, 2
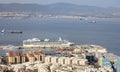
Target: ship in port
11, 31
16, 32
36, 42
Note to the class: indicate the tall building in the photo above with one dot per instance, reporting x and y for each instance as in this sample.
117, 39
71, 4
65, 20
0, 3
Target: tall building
90, 58
117, 66
15, 57
1, 59
30, 57
36, 56
104, 62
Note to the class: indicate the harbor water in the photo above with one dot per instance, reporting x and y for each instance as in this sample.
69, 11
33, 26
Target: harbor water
104, 32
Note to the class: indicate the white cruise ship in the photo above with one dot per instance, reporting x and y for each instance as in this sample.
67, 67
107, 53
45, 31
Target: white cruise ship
35, 42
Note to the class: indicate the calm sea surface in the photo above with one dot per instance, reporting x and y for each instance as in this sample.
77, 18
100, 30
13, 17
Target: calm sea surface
105, 32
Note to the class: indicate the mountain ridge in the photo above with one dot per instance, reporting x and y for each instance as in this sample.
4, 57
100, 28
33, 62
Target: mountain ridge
58, 9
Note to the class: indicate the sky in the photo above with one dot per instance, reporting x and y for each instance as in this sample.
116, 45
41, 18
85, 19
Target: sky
100, 3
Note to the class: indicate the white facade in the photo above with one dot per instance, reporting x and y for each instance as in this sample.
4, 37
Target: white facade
68, 61
54, 60
77, 50
48, 59
82, 61
65, 60
61, 60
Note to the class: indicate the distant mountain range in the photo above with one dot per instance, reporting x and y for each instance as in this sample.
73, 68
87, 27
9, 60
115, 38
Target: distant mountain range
59, 9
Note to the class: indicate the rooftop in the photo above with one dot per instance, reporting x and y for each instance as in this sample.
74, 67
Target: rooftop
12, 54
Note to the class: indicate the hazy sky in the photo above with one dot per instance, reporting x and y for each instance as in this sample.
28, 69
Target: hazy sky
104, 3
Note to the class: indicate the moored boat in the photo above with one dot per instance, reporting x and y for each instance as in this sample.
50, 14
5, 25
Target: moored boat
2, 31
16, 32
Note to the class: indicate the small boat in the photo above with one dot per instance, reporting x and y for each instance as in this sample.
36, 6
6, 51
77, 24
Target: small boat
2, 31
16, 32
12, 31
81, 18
92, 21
